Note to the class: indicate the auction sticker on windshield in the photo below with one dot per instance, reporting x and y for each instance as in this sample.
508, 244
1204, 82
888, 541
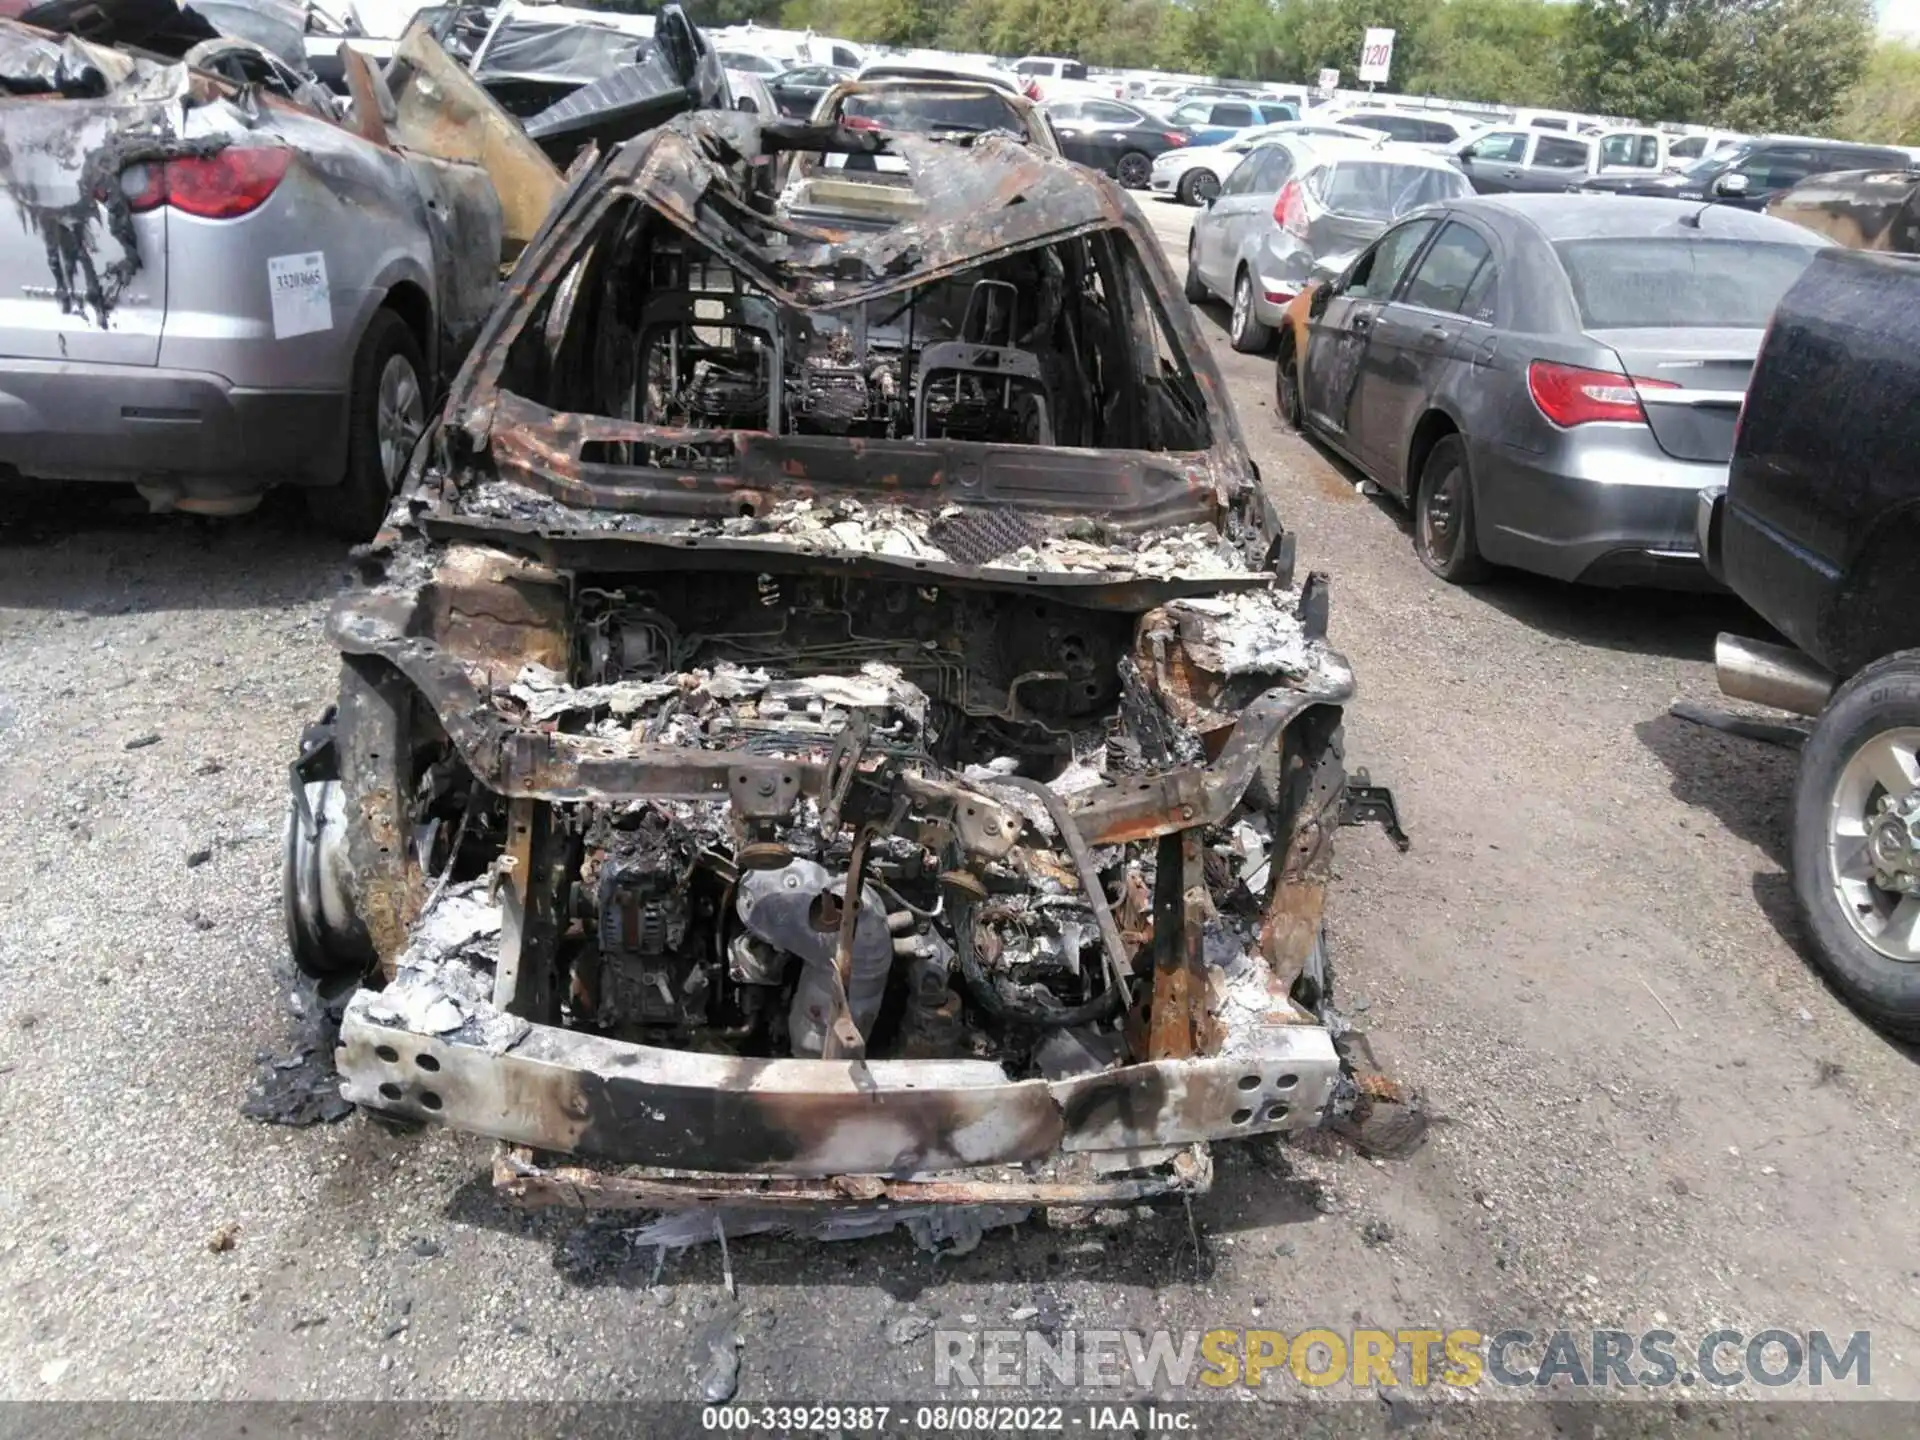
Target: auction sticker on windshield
302, 303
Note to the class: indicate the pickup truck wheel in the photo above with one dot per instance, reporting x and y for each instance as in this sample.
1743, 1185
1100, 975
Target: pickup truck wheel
1856, 842
1193, 287
387, 410
1135, 170
1248, 335
1443, 516
1197, 186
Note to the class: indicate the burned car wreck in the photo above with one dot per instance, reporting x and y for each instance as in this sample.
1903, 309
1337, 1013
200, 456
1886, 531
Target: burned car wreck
830, 717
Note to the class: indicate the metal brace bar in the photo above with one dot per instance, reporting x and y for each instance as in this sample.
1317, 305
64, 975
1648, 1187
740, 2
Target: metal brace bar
1368, 804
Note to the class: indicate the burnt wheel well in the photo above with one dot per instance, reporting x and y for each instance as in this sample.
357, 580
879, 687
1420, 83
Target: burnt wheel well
411, 304
1434, 427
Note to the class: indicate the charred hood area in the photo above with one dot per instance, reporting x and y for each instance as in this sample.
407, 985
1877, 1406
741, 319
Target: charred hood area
833, 698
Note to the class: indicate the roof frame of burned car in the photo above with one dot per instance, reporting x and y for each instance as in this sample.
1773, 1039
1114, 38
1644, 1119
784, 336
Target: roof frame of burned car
1005, 199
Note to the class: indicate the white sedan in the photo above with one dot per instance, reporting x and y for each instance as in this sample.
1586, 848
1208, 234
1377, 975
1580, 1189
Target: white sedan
1192, 175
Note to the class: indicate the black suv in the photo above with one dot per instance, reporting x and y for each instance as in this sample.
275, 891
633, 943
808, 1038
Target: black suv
1751, 174
1818, 529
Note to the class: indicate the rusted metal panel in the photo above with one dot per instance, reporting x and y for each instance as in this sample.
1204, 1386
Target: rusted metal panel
536, 1186
439, 109
566, 1091
569, 1092
1181, 908
521, 762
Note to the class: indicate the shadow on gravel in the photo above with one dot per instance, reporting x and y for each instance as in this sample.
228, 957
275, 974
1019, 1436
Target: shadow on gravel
97, 549
1676, 624
1744, 785
1152, 1247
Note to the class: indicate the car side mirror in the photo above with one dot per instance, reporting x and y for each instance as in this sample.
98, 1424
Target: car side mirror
1730, 186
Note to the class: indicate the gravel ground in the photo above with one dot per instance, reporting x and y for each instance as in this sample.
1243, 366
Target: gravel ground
1650, 1111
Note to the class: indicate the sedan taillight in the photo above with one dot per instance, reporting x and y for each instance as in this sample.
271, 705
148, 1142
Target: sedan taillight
222, 186
1570, 395
1290, 209
1173, 137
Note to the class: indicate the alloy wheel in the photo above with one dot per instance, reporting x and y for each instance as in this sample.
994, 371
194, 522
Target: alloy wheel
402, 414
1873, 842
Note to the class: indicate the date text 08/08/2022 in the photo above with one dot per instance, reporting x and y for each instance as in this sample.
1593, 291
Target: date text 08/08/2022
963, 1418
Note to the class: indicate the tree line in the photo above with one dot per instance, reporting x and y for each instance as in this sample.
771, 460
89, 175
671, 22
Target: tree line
1752, 65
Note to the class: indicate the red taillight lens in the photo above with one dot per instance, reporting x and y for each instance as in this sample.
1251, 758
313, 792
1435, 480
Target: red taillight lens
232, 182
1173, 137
1290, 209
1571, 395
235, 181
858, 122
1033, 90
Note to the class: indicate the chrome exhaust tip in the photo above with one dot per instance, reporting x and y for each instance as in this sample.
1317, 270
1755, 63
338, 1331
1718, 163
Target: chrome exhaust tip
1770, 675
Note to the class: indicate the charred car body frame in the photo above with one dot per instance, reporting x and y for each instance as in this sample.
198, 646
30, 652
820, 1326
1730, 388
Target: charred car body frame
830, 716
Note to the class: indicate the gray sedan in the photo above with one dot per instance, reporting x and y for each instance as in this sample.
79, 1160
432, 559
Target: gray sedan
1297, 205
1549, 380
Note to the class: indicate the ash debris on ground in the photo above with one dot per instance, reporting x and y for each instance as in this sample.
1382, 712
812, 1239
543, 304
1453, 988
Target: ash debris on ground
298, 1085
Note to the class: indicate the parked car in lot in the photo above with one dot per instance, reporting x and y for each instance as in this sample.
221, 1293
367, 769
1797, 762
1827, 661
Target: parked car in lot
1549, 381
932, 65
1114, 138
1298, 202
1818, 529
1055, 78
1411, 127
942, 109
213, 290
750, 62
1211, 120
1752, 174
1192, 174
1503, 161
796, 92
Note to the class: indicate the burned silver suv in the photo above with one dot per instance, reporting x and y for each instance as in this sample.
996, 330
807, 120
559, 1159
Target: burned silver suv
830, 718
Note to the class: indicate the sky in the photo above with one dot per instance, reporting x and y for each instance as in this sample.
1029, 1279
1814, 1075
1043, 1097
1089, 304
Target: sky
1900, 17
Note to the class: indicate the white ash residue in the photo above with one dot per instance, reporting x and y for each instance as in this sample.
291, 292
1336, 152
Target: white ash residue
1252, 632
443, 983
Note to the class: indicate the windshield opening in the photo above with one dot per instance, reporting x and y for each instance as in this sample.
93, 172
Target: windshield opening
1381, 189
575, 52
1713, 162
1657, 282
927, 112
1064, 345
